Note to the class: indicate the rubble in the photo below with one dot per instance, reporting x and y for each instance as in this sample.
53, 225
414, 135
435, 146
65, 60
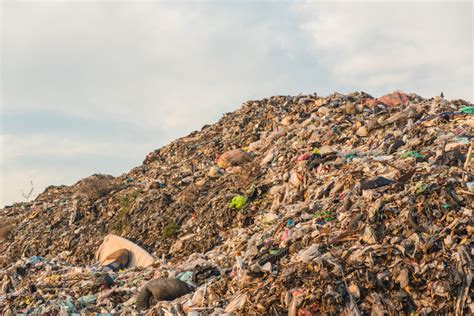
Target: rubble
298, 205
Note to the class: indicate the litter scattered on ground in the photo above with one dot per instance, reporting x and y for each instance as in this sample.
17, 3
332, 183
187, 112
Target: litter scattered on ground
303, 205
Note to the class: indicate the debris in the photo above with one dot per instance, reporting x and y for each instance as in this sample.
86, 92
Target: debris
308, 254
232, 158
362, 131
467, 109
306, 217
87, 300
238, 202
237, 303
413, 154
394, 99
122, 251
117, 260
373, 183
161, 290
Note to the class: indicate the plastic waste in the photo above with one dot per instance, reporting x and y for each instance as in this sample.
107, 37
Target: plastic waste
186, 276
349, 157
238, 202
416, 219
237, 303
467, 110
34, 259
413, 154
87, 300
373, 183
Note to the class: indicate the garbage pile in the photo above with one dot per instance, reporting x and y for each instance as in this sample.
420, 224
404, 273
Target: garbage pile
302, 205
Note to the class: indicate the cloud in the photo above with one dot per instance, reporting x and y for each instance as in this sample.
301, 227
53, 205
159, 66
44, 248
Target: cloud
419, 47
48, 159
152, 65
58, 146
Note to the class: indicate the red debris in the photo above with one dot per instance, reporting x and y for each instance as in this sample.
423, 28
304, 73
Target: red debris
394, 99
304, 312
303, 157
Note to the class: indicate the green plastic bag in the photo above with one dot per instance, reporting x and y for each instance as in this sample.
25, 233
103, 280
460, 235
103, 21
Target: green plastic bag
325, 215
413, 154
349, 157
238, 202
467, 110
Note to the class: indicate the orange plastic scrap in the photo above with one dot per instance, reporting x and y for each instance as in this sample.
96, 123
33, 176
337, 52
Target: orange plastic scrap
394, 99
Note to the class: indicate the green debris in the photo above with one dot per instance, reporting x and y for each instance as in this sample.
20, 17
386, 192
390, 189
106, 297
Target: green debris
126, 202
171, 230
326, 215
446, 206
467, 109
420, 187
461, 140
413, 154
238, 202
349, 157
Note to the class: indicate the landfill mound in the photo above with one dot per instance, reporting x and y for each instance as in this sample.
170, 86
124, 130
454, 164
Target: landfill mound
302, 205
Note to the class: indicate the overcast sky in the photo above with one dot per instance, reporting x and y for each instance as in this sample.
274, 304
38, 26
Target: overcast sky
92, 87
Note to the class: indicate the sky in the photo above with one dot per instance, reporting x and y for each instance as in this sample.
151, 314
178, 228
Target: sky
93, 86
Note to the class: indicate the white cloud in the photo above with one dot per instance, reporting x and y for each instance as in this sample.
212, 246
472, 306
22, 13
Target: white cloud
52, 159
16, 181
419, 47
61, 147
152, 65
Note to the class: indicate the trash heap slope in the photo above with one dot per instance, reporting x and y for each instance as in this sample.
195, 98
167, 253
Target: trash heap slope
312, 204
